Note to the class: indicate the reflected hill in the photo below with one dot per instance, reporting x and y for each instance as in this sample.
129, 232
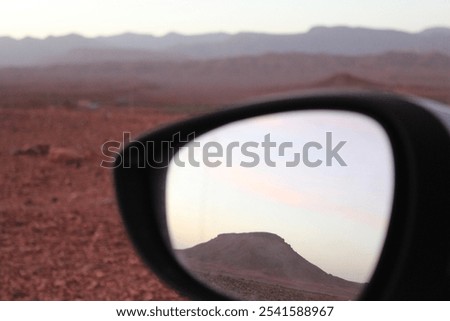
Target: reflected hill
262, 266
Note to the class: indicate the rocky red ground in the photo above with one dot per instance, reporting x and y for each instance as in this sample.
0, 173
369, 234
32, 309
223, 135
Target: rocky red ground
61, 234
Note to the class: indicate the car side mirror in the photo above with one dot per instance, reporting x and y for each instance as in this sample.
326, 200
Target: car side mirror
292, 205
333, 196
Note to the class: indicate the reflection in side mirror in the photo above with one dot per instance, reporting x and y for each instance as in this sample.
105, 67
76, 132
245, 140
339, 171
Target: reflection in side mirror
286, 206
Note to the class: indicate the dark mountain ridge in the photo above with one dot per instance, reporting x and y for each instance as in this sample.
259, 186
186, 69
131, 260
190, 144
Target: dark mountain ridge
326, 40
263, 257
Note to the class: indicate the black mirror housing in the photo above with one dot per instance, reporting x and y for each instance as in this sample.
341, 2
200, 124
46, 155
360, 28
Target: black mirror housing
415, 260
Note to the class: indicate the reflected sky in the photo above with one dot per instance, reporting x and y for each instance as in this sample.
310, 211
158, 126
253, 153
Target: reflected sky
334, 216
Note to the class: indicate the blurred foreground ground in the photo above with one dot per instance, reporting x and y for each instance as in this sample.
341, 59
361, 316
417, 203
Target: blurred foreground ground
61, 235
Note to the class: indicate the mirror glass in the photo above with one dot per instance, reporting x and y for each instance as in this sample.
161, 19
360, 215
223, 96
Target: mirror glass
285, 206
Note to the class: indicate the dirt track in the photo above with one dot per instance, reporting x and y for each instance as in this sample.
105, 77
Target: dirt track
61, 236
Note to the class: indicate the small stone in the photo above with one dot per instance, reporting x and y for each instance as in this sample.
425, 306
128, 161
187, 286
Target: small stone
34, 150
65, 156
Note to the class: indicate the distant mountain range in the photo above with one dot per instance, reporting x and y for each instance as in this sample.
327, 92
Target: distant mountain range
262, 261
76, 49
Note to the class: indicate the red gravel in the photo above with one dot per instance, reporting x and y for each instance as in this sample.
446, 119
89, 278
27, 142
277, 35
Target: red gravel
61, 236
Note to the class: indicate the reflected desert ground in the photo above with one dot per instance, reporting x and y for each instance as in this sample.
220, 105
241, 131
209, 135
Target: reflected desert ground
262, 266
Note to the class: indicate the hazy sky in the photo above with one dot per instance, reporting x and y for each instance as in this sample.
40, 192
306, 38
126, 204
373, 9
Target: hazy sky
20, 18
335, 217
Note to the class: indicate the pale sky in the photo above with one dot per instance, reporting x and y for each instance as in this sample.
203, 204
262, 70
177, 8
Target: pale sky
335, 217
41, 18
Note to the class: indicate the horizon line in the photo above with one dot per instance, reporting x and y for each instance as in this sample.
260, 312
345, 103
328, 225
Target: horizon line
177, 33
